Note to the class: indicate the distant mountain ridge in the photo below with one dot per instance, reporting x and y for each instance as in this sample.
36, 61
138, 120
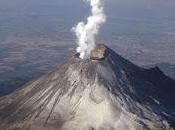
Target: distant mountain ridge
167, 68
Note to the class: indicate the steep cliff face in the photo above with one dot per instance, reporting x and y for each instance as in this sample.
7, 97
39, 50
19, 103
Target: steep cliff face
108, 93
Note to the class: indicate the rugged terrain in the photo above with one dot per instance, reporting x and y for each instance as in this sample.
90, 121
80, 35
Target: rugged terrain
108, 93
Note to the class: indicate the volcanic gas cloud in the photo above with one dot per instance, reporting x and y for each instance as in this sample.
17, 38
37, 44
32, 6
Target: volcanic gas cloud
86, 32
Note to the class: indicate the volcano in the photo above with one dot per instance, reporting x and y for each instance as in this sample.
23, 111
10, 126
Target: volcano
104, 92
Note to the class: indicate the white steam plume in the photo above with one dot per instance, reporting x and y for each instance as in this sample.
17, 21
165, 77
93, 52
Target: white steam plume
86, 32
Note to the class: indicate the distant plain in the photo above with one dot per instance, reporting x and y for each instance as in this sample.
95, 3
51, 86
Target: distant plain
36, 35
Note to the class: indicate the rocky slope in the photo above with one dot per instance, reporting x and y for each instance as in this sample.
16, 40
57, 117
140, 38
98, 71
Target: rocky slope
108, 93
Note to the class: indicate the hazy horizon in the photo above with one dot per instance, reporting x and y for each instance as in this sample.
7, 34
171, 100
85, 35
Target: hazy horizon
36, 35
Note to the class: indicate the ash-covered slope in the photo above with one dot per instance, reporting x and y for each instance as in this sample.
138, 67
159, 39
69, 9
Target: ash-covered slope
106, 93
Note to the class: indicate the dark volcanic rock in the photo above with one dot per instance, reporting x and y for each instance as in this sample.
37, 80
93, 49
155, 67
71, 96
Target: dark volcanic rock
106, 94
